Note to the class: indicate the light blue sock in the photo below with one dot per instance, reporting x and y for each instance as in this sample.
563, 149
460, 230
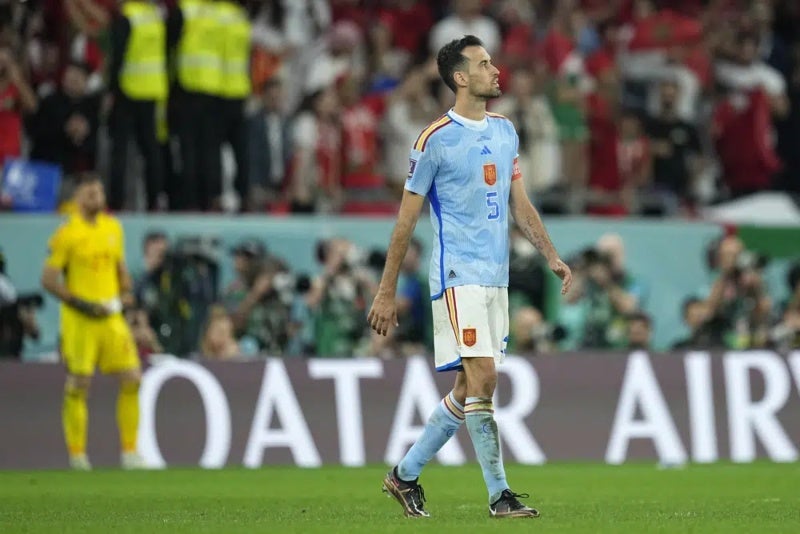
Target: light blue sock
442, 424
479, 412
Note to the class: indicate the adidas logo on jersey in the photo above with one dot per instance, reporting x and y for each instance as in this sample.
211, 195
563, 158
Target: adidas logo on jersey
485, 151
452, 275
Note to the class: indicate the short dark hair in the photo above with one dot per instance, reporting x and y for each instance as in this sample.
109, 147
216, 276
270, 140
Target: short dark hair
86, 177
450, 58
153, 235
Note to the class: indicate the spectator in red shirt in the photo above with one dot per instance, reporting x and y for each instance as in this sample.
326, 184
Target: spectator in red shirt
360, 121
409, 21
605, 183
741, 129
16, 98
634, 157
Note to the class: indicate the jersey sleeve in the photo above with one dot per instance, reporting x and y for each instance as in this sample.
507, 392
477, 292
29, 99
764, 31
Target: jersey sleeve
422, 167
58, 249
516, 173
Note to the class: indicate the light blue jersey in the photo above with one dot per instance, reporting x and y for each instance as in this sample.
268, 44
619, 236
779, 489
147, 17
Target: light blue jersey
465, 168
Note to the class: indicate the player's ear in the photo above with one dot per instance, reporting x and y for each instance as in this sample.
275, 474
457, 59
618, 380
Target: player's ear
460, 78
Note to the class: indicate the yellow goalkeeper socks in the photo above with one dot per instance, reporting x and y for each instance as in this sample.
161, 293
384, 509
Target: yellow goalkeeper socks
128, 415
75, 418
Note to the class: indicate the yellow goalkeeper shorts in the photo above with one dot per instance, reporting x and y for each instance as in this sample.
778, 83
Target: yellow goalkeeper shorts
107, 343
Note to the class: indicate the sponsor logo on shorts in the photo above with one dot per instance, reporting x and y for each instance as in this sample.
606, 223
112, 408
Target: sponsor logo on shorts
469, 336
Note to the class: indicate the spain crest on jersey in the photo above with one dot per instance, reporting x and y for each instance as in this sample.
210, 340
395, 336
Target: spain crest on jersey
469, 336
489, 173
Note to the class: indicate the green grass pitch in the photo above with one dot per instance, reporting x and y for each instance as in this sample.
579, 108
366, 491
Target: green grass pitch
638, 498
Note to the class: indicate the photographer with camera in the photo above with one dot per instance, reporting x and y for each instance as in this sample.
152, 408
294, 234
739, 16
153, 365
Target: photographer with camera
610, 292
738, 298
338, 298
785, 335
153, 288
177, 287
704, 331
259, 299
17, 316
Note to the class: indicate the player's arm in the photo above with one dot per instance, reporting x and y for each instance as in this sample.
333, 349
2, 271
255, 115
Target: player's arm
52, 280
383, 311
528, 220
124, 279
125, 284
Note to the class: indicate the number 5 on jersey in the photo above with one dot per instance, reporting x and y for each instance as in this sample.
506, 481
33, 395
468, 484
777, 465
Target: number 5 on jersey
493, 205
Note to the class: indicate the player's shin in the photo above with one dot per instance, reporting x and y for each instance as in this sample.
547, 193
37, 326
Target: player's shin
441, 426
128, 414
479, 414
75, 419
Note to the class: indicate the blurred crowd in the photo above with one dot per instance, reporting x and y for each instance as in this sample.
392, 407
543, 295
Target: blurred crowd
643, 107
271, 309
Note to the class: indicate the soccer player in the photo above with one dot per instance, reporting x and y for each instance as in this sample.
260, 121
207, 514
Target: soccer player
86, 271
465, 163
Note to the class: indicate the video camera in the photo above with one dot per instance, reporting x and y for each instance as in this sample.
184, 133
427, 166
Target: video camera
30, 300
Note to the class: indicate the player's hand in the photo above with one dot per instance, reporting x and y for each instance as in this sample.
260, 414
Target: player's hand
383, 313
563, 271
94, 310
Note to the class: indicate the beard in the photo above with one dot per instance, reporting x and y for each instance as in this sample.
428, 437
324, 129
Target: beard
489, 93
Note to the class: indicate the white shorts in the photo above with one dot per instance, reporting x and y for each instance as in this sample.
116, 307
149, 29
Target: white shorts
470, 322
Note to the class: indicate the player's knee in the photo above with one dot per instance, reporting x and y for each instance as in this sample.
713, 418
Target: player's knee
481, 376
460, 388
78, 383
130, 380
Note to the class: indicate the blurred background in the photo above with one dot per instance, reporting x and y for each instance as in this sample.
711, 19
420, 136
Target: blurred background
256, 152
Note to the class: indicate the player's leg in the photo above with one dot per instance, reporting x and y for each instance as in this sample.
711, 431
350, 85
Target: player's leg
75, 420
402, 482
119, 356
481, 376
442, 424
79, 349
128, 418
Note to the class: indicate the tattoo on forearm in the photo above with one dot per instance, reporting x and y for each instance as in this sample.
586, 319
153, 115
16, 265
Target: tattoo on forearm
538, 238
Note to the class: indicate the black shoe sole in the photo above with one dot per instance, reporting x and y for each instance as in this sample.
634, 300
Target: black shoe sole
391, 489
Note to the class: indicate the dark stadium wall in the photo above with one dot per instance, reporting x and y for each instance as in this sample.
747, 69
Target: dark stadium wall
614, 408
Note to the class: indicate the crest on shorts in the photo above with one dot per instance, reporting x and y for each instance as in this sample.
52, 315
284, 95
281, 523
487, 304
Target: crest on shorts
489, 173
469, 336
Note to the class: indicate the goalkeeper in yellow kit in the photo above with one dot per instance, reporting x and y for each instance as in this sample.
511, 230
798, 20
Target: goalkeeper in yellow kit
86, 271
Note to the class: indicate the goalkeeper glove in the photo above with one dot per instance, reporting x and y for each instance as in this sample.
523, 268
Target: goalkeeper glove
90, 309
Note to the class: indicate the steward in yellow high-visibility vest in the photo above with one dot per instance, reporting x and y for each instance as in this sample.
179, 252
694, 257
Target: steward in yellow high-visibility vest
137, 80
234, 34
198, 78
199, 53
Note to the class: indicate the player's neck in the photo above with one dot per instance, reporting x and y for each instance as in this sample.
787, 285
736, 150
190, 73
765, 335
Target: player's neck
470, 108
88, 216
